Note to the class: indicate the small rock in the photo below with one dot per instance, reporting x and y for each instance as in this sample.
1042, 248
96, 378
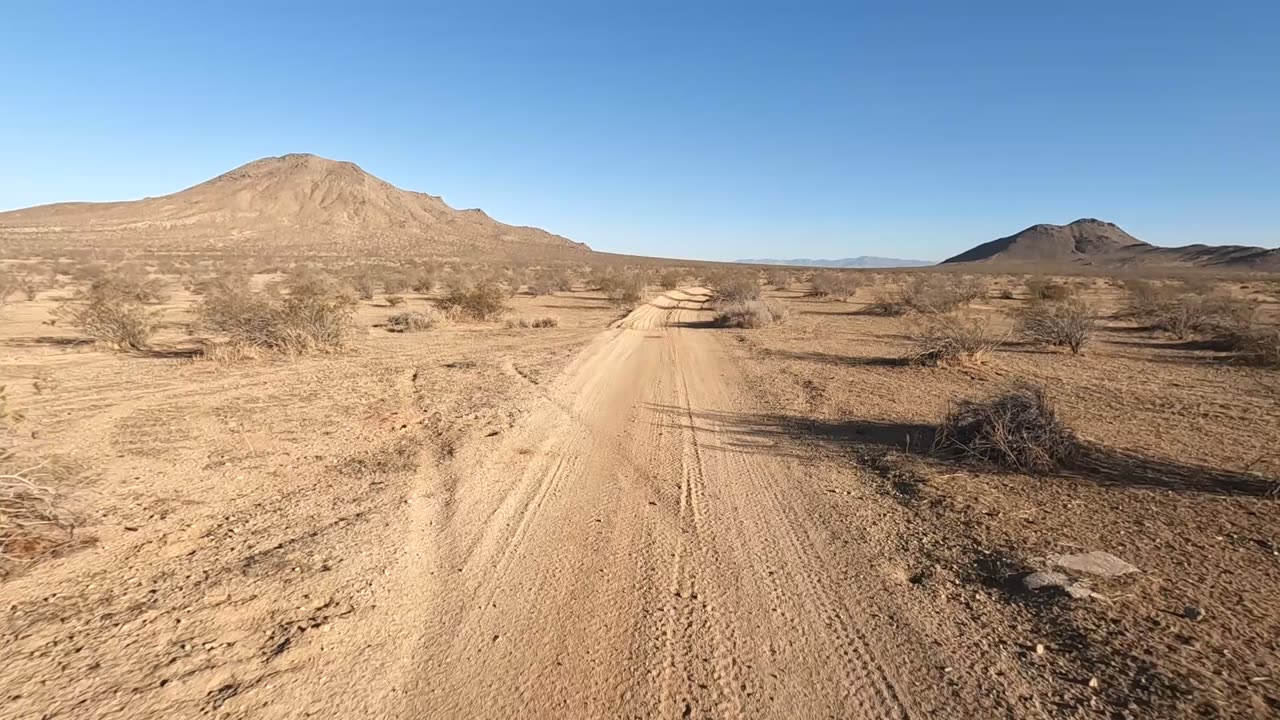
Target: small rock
1193, 613
1094, 683
1045, 579
1040, 649
1102, 564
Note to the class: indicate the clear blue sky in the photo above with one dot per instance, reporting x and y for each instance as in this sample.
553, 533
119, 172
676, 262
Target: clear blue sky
710, 130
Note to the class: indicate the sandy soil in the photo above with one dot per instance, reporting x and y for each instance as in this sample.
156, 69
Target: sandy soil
641, 517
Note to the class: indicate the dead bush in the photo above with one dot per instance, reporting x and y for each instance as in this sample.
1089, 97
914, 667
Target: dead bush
670, 278
938, 294
317, 315
34, 522
394, 283
1016, 428
626, 290
1061, 324
751, 314
1046, 289
737, 287
486, 300
831, 284
952, 339
1256, 346
111, 312
1189, 315
395, 300
777, 279
422, 281
8, 286
415, 321
364, 286
888, 303
542, 322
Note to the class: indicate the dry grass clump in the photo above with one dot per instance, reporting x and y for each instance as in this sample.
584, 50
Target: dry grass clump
751, 314
832, 284
395, 300
1061, 324
738, 287
542, 322
34, 523
416, 320
111, 311
1046, 289
670, 278
485, 300
953, 339
316, 315
1017, 428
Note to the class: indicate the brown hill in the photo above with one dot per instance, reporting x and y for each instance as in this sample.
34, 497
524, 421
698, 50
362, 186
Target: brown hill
294, 202
1094, 242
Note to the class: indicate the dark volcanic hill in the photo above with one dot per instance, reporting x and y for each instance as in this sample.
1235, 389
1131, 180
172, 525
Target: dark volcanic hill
293, 202
1094, 242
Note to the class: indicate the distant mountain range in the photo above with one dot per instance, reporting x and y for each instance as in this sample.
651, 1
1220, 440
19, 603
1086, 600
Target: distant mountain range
864, 261
1095, 242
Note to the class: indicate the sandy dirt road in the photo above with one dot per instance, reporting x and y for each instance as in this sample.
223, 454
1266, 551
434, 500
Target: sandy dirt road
451, 531
615, 556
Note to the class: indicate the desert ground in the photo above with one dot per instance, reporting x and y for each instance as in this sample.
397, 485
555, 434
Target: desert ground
636, 509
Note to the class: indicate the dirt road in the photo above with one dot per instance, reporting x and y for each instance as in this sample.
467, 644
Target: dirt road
408, 533
616, 555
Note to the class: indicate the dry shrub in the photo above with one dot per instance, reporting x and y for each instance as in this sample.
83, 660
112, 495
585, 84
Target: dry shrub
395, 283
670, 278
831, 284
626, 290
1046, 289
111, 312
317, 315
422, 280
737, 287
363, 285
751, 314
1061, 324
542, 322
1191, 315
778, 279
1016, 428
416, 320
889, 303
486, 300
953, 339
1258, 346
395, 300
34, 523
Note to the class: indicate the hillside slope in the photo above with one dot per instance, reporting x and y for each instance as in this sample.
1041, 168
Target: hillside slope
1094, 242
293, 202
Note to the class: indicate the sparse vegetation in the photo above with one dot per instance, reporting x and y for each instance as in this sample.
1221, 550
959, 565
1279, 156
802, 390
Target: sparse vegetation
34, 521
316, 315
541, 322
1061, 324
395, 300
1016, 428
952, 339
736, 287
1046, 289
486, 300
832, 284
415, 321
751, 314
626, 290
111, 311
